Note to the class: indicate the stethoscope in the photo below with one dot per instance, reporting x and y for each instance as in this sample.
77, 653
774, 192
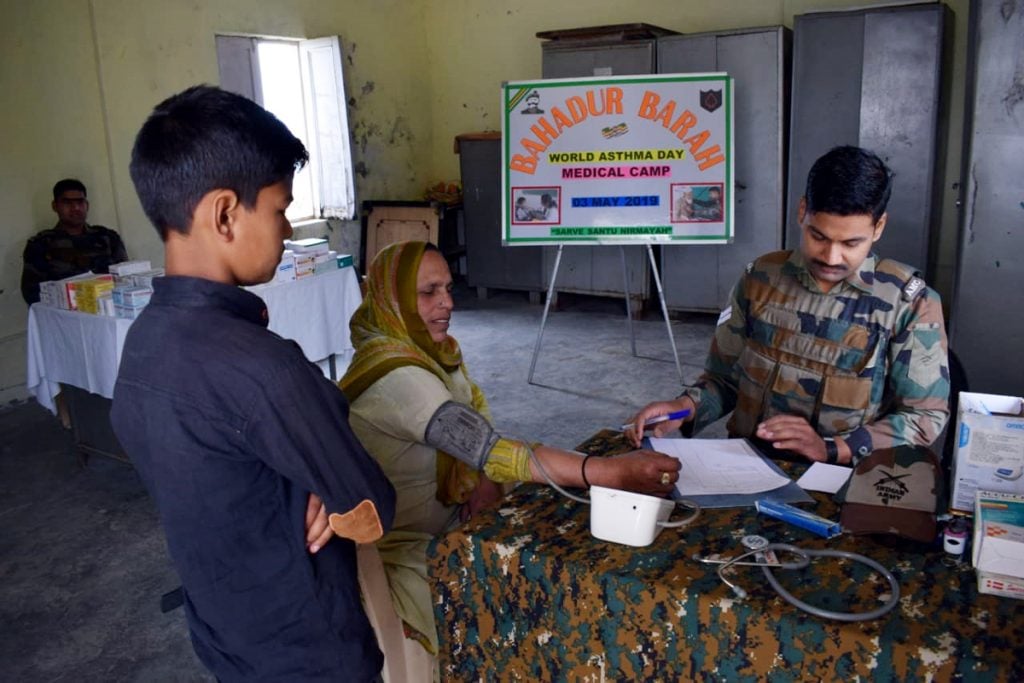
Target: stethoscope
764, 554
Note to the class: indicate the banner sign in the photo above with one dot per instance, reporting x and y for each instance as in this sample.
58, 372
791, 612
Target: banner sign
618, 160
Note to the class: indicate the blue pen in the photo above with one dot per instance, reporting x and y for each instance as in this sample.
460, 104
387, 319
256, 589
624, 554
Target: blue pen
678, 415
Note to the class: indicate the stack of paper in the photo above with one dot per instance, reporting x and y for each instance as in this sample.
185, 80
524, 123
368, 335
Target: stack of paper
726, 473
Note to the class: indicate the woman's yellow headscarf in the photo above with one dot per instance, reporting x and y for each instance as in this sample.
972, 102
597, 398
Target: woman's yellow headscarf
388, 333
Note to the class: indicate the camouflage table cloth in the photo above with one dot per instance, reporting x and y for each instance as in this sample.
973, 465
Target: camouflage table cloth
525, 592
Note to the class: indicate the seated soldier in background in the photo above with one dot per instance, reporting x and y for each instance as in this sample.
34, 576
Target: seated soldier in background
72, 246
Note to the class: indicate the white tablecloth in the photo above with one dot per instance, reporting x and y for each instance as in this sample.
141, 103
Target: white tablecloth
84, 350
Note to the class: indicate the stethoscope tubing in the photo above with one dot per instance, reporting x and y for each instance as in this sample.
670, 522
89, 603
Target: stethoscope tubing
805, 558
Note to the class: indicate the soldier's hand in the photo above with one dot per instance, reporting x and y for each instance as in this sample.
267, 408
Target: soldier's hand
793, 433
636, 432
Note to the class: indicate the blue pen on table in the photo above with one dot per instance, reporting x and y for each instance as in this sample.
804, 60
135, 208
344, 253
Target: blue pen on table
678, 415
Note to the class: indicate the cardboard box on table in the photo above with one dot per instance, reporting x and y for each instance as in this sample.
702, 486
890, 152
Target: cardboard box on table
989, 453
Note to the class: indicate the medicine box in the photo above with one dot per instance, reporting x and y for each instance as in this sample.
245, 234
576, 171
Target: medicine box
129, 312
312, 245
998, 554
129, 268
60, 293
105, 304
344, 260
86, 292
305, 265
145, 278
325, 263
989, 453
132, 296
286, 268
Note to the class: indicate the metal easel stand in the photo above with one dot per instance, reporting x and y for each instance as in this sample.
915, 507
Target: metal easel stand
629, 317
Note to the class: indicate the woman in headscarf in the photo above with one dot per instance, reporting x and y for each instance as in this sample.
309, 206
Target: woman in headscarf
416, 410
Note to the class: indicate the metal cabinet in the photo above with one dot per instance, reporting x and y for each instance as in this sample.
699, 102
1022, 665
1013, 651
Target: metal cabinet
987, 324
872, 78
700, 277
488, 263
598, 270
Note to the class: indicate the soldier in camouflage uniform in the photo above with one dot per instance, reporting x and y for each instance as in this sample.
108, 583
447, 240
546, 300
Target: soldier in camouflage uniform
72, 246
827, 352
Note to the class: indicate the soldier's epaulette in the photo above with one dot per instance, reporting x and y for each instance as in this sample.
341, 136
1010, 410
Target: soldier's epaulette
913, 285
913, 288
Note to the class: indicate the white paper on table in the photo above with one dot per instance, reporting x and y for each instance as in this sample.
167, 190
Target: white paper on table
821, 476
719, 466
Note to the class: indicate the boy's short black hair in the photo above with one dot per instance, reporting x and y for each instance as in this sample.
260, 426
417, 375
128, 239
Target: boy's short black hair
849, 181
66, 185
205, 139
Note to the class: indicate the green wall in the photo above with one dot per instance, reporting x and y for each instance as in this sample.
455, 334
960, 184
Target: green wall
80, 76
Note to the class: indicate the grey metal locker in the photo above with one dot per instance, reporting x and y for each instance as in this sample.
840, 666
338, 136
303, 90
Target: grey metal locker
700, 277
987, 320
598, 270
872, 78
488, 264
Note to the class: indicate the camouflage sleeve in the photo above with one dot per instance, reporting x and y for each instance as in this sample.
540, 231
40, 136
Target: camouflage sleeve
916, 403
714, 392
34, 270
118, 253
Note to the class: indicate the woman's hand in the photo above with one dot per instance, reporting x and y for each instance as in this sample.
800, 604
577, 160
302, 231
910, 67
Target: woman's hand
642, 471
486, 494
636, 432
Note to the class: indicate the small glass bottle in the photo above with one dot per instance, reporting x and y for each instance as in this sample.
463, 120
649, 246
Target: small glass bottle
954, 541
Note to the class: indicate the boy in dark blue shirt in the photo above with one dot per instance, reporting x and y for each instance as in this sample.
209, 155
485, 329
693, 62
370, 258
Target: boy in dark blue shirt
238, 437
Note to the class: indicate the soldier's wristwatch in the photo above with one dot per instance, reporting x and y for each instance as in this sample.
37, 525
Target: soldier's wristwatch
831, 450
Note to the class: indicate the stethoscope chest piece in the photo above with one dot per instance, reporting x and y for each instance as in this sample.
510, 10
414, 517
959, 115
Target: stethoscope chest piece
754, 542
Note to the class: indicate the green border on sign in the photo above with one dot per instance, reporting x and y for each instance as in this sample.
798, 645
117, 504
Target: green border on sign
520, 88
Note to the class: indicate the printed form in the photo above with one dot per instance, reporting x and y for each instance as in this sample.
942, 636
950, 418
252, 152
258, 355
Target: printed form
719, 466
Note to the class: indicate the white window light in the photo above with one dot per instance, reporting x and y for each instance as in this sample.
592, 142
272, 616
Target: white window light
300, 82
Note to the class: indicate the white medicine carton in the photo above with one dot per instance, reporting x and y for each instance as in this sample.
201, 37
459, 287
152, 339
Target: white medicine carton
989, 452
998, 553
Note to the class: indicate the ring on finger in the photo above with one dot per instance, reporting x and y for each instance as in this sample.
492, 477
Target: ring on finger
666, 478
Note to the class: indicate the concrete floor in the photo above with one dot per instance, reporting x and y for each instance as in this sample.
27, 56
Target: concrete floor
82, 558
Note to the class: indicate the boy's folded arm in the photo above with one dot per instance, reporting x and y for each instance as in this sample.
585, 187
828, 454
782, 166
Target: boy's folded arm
301, 429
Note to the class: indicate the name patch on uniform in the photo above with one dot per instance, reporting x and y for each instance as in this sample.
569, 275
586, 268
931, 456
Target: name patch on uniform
724, 315
913, 288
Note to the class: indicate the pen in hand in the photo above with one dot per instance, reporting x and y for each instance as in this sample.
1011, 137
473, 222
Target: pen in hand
678, 415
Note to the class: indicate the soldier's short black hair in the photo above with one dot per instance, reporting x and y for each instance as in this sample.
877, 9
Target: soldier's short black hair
849, 181
68, 185
205, 139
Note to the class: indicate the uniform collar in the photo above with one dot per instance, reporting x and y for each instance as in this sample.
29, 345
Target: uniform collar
193, 292
862, 279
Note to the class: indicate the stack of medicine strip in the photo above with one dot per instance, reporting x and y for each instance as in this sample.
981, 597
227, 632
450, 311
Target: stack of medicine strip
129, 300
88, 293
307, 252
61, 293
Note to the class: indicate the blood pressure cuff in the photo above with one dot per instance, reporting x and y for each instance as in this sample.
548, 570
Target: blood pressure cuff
457, 429
893, 491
